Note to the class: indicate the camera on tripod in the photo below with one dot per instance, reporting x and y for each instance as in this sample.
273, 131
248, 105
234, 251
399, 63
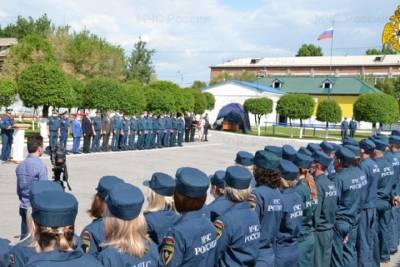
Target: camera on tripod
60, 172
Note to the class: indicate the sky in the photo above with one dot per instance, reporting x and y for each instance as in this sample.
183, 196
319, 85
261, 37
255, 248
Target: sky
189, 36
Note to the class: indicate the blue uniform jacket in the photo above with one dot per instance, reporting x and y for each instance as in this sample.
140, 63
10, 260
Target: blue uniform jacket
168, 123
159, 222
269, 208
97, 124
54, 124
309, 205
110, 257
161, 124
134, 125
21, 253
218, 207
344, 125
92, 237
350, 183
325, 213
292, 217
386, 184
154, 123
64, 125
180, 124
373, 173
191, 241
6, 122
239, 235
125, 125
116, 124
4, 252
393, 158
76, 128
74, 258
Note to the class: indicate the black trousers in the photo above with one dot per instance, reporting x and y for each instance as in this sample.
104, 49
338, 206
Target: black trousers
86, 143
187, 135
24, 227
205, 133
192, 133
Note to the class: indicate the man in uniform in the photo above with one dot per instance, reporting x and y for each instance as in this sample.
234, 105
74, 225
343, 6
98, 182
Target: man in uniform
181, 129
149, 128
352, 127
344, 127
350, 181
324, 215
174, 131
116, 130
133, 131
167, 131
88, 132
126, 124
7, 131
188, 125
106, 127
160, 132
54, 129
141, 132
76, 129
154, 123
64, 125
97, 132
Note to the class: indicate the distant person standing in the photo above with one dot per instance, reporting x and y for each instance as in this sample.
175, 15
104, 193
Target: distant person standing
64, 125
188, 125
76, 134
206, 127
7, 131
193, 129
97, 132
180, 122
87, 130
344, 127
352, 127
54, 129
30, 170
106, 127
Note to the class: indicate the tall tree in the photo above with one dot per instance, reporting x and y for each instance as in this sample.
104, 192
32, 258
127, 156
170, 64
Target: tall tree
139, 63
26, 26
259, 107
296, 106
386, 50
309, 50
8, 92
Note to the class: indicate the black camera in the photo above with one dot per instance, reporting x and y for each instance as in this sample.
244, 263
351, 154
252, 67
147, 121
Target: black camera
58, 160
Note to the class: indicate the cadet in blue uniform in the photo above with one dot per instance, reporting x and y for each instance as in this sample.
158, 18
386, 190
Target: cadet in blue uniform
124, 137
344, 127
54, 215
149, 129
350, 181
192, 240
54, 129
25, 249
287, 249
96, 121
367, 236
267, 201
238, 228
220, 204
180, 125
116, 130
76, 128
329, 150
386, 185
307, 190
64, 125
92, 235
141, 132
4, 252
325, 214
246, 160
7, 131
160, 213
174, 131
275, 150
132, 133
127, 243
154, 132
160, 132
167, 131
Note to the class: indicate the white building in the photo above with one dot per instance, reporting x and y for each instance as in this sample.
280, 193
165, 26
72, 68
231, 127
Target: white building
237, 92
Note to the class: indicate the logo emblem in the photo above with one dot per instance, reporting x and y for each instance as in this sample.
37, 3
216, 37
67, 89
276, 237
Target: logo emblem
219, 226
167, 250
253, 201
86, 237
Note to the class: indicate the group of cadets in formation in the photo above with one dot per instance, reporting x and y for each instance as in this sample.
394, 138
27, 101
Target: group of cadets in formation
323, 205
127, 133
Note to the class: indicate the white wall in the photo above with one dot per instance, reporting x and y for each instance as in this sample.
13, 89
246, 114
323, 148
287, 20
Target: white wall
233, 93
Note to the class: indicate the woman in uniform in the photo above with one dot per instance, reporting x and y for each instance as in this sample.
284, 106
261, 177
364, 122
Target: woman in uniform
92, 235
125, 230
54, 216
160, 213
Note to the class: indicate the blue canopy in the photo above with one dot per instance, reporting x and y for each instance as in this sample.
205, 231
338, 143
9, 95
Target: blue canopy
233, 113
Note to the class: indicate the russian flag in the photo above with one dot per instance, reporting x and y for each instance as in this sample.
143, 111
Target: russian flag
327, 34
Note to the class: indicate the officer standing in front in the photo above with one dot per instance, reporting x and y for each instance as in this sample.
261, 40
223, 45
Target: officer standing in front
132, 133
116, 130
64, 125
54, 129
238, 228
192, 240
350, 182
124, 138
174, 131
97, 132
344, 127
325, 214
7, 131
180, 122
106, 127
154, 123
167, 131
160, 131
352, 127
141, 131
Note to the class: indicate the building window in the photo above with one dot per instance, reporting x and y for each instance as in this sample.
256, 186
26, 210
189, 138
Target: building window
276, 84
327, 84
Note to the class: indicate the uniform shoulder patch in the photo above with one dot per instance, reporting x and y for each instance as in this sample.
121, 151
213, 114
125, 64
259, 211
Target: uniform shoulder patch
167, 250
253, 201
86, 240
219, 227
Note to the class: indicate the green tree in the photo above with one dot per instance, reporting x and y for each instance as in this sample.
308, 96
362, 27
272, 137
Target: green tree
210, 100
26, 26
328, 110
386, 50
198, 85
139, 64
133, 100
296, 106
309, 50
8, 92
247, 76
31, 50
103, 94
44, 85
390, 86
78, 93
258, 107
376, 107
200, 101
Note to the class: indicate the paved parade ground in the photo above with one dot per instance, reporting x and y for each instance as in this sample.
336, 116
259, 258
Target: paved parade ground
133, 166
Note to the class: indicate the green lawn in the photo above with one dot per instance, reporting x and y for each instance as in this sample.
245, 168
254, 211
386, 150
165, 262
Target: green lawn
307, 134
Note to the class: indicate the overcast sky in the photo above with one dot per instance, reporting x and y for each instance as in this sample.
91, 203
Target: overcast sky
190, 35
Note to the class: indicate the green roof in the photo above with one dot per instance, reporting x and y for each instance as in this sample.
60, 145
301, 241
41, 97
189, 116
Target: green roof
314, 85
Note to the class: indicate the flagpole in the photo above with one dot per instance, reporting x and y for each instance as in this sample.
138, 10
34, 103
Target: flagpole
333, 35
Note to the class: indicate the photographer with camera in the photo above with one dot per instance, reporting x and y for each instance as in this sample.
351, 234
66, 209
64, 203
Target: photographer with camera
30, 170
